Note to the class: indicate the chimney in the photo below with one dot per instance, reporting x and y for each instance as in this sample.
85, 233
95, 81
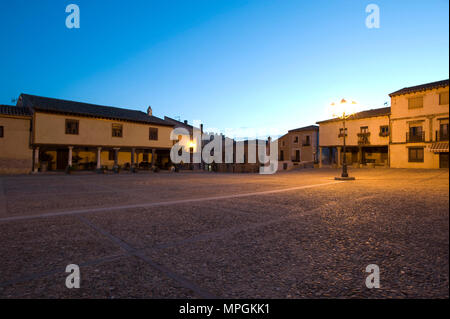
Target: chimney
185, 122
201, 128
149, 111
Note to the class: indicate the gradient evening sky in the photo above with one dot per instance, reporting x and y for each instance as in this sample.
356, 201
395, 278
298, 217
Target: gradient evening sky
272, 65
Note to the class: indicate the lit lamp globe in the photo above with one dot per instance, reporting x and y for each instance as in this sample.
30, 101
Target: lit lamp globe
343, 110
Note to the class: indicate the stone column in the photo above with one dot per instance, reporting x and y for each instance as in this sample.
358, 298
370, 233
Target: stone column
320, 157
69, 161
36, 159
137, 158
99, 158
116, 159
153, 157
133, 150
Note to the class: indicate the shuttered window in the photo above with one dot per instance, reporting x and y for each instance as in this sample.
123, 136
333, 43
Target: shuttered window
415, 154
117, 130
72, 127
153, 134
443, 98
415, 102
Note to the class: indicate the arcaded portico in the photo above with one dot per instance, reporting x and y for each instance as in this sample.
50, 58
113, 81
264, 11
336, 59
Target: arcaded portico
80, 136
367, 135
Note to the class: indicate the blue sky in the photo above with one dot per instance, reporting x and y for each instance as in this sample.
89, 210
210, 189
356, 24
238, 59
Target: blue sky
271, 65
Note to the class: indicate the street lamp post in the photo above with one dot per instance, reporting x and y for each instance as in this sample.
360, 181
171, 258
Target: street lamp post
344, 112
344, 160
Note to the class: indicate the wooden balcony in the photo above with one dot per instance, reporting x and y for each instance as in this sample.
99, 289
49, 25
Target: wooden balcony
441, 136
364, 138
415, 138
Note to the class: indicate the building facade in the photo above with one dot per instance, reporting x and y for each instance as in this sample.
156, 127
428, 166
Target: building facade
412, 133
419, 121
367, 139
54, 134
298, 147
15, 140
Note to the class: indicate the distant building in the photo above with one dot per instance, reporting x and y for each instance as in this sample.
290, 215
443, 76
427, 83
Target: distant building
367, 139
188, 141
50, 134
419, 122
298, 146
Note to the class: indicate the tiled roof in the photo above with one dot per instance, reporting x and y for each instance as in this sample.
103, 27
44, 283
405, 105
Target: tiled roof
306, 128
178, 123
422, 87
384, 111
14, 110
85, 109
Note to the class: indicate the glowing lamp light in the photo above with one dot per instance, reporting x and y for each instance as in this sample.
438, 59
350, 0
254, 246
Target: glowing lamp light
344, 109
191, 145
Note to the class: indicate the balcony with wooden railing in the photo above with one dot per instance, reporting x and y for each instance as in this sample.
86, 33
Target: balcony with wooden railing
364, 138
441, 136
415, 137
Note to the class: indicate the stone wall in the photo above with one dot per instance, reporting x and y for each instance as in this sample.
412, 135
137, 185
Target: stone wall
15, 166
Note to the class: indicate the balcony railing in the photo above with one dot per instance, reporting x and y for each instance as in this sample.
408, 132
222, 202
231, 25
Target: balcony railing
415, 138
441, 135
306, 144
364, 138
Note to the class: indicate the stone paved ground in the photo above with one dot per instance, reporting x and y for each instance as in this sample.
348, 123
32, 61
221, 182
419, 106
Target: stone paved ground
200, 235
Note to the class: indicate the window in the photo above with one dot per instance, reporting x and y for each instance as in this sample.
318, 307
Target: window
384, 130
341, 132
111, 155
415, 154
364, 129
295, 139
1, 131
307, 141
153, 134
443, 98
443, 132
117, 130
72, 127
415, 134
415, 102
415, 130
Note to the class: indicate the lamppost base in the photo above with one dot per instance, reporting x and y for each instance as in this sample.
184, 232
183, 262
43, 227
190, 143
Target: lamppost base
348, 178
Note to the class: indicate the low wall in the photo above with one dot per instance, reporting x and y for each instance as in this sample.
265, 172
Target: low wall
15, 166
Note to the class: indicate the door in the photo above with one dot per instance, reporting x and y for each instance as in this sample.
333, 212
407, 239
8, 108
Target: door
62, 159
281, 156
297, 155
443, 160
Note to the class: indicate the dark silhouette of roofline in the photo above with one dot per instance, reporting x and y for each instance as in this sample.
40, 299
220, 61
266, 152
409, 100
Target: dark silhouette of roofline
53, 105
305, 128
384, 111
421, 87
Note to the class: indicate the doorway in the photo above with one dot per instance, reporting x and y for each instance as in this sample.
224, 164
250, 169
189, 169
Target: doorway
443, 160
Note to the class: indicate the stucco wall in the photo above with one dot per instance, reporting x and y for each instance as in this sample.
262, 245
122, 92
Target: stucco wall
329, 131
289, 148
430, 116
50, 129
399, 157
15, 151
